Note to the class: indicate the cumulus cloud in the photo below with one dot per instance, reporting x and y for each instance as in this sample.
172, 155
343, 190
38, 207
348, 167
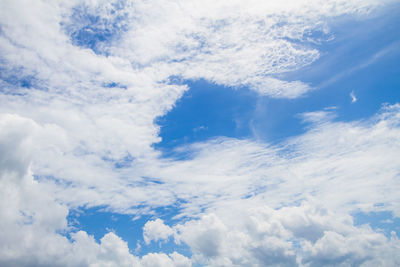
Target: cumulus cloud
172, 260
304, 235
156, 230
33, 223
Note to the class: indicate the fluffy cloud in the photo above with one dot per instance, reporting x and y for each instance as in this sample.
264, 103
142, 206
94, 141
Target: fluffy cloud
156, 230
304, 235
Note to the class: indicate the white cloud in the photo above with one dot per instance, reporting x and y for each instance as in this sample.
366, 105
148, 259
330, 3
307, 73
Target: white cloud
204, 237
156, 230
172, 260
353, 97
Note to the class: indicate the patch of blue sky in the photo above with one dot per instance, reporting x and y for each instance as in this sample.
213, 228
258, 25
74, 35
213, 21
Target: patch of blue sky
145, 181
15, 79
206, 111
123, 162
382, 221
94, 30
114, 85
98, 222
52, 179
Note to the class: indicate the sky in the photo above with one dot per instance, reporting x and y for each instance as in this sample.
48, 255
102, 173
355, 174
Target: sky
199, 133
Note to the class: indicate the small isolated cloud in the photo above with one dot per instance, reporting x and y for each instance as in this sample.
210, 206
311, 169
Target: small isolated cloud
321, 116
353, 97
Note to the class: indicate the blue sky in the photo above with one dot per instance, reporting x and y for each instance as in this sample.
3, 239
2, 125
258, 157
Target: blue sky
200, 134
